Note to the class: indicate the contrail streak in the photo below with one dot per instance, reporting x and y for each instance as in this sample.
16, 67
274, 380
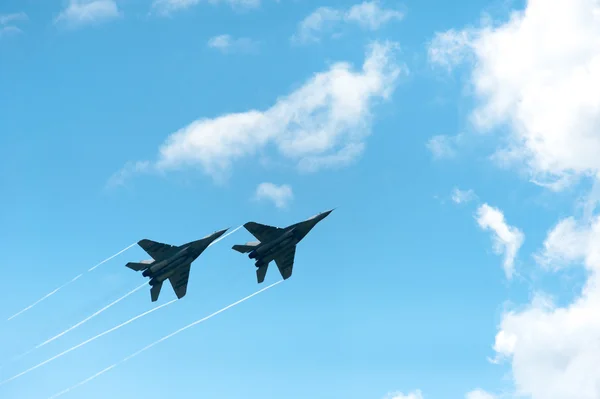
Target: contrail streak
67, 283
92, 316
225, 235
161, 340
115, 255
43, 298
86, 342
75, 326
120, 299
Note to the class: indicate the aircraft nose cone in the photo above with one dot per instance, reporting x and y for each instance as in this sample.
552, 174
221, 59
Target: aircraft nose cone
220, 233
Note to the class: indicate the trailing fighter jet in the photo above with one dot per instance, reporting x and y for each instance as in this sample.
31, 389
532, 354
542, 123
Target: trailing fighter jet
278, 244
171, 262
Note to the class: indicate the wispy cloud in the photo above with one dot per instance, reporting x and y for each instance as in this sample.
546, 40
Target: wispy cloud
479, 394
323, 123
130, 169
369, 15
399, 395
459, 196
507, 239
279, 195
229, 44
444, 146
86, 12
168, 7
7, 23
566, 244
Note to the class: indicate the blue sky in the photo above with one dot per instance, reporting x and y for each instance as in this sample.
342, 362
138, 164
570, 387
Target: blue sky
457, 141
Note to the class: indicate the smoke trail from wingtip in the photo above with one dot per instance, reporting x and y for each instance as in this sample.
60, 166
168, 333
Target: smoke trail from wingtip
67, 283
160, 340
87, 341
91, 316
225, 235
74, 326
109, 258
44, 298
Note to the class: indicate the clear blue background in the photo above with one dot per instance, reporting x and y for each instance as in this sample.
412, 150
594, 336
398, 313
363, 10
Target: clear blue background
396, 290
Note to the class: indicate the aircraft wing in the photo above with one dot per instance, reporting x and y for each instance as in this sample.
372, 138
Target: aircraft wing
285, 262
155, 249
179, 280
262, 232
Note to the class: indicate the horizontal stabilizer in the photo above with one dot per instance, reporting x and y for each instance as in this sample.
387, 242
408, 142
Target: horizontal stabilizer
245, 248
137, 266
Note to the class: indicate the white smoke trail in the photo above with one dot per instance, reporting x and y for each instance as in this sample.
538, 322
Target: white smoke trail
64, 285
43, 298
225, 235
88, 341
75, 326
115, 255
91, 316
161, 340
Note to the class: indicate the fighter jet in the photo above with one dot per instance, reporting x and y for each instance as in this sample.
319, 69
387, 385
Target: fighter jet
171, 262
278, 244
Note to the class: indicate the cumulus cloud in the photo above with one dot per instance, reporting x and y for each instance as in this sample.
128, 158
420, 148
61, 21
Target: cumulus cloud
539, 74
85, 12
324, 123
555, 351
228, 44
8, 23
279, 195
507, 239
444, 146
167, 7
460, 196
368, 15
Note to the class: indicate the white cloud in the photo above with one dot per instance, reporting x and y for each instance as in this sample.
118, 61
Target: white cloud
129, 170
449, 48
460, 196
479, 394
279, 195
368, 15
399, 395
227, 44
9, 30
444, 146
555, 351
507, 239
85, 12
18, 16
167, 7
566, 243
324, 123
539, 74
7, 23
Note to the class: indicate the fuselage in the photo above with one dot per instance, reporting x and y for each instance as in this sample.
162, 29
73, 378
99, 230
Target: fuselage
266, 252
272, 247
161, 270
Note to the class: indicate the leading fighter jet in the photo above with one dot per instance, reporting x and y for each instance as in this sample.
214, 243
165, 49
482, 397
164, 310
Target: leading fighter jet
171, 262
278, 244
